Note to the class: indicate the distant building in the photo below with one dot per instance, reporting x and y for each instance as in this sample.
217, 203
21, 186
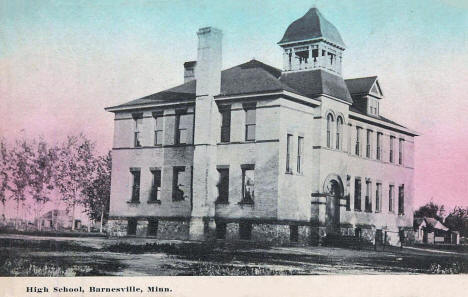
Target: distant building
258, 153
57, 219
431, 231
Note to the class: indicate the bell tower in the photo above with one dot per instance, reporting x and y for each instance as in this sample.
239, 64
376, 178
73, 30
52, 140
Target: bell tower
311, 42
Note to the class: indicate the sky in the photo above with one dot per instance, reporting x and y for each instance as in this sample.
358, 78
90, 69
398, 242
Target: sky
62, 62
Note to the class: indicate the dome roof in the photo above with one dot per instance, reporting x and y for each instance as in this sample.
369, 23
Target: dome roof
312, 26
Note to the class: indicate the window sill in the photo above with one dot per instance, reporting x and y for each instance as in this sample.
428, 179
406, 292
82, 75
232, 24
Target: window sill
288, 172
368, 211
177, 199
133, 202
222, 202
154, 202
357, 210
246, 203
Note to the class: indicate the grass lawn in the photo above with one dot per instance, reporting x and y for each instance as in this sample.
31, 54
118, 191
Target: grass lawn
22, 255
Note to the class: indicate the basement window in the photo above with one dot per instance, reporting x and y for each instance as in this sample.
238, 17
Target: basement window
131, 226
220, 230
293, 233
152, 227
245, 231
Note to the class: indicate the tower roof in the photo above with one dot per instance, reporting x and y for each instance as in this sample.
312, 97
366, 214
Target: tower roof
312, 26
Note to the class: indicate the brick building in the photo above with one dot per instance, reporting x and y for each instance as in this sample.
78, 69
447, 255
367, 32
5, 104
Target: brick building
258, 153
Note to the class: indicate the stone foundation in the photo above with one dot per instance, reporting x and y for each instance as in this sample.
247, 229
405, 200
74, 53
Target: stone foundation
167, 229
173, 230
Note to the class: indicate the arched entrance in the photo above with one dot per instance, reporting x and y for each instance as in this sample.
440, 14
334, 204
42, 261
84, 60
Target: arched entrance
333, 188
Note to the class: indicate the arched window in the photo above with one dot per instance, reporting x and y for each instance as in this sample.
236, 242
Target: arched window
329, 127
339, 132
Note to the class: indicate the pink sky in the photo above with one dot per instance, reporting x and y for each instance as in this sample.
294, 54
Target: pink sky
58, 72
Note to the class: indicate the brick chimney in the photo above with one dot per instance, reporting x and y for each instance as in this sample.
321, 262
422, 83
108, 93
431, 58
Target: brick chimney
207, 118
189, 70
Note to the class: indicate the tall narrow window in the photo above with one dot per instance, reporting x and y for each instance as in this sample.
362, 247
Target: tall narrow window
137, 132
400, 151
135, 186
378, 198
401, 200
156, 186
368, 202
391, 190
339, 132
369, 144
357, 194
182, 123
288, 153
223, 185
379, 146
329, 128
248, 184
358, 141
226, 124
250, 115
392, 140
300, 153
158, 128
178, 183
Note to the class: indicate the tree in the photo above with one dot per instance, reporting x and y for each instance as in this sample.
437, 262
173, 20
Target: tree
19, 169
41, 175
4, 174
74, 163
430, 210
96, 193
457, 220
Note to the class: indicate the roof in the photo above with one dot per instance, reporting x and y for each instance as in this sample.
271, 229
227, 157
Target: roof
361, 85
430, 222
256, 77
312, 26
317, 82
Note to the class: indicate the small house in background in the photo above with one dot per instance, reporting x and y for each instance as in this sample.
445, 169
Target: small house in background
59, 219
431, 231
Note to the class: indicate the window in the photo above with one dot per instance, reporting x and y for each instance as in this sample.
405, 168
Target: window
300, 153
156, 186
293, 233
137, 132
223, 185
401, 200
288, 153
379, 146
248, 184
369, 144
245, 231
368, 202
131, 226
339, 132
378, 198
392, 140
220, 230
250, 114
158, 128
178, 183
358, 141
182, 124
390, 198
226, 124
152, 227
357, 194
135, 186
400, 151
329, 127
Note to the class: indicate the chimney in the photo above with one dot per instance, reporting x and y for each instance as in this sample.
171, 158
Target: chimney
209, 61
207, 123
189, 70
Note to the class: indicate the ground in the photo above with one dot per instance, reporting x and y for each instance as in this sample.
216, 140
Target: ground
22, 255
